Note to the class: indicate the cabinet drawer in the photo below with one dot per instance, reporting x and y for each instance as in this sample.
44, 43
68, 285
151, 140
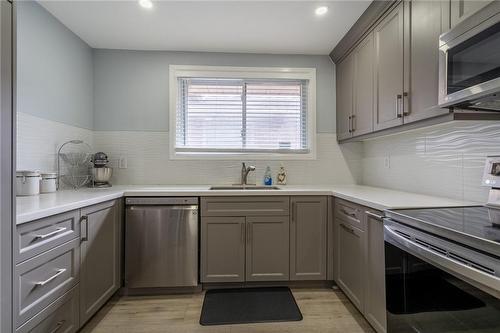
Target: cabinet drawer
60, 316
33, 238
349, 213
245, 206
42, 279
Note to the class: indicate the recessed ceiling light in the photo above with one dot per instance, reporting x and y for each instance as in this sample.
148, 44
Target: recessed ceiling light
321, 10
148, 4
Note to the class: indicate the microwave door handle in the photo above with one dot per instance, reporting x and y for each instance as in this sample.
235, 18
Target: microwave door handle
441, 261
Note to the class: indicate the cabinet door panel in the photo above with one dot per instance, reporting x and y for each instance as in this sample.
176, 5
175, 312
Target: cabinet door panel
375, 283
308, 230
268, 253
223, 249
351, 261
362, 122
345, 80
428, 20
460, 9
389, 70
100, 257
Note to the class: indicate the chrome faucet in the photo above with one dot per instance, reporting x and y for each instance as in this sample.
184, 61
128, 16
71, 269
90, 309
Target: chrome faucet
244, 172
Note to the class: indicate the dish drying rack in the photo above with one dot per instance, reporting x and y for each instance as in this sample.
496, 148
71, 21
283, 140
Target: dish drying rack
77, 156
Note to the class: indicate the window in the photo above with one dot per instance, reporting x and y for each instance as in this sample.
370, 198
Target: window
234, 112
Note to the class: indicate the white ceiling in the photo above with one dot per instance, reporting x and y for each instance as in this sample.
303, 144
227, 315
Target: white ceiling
283, 27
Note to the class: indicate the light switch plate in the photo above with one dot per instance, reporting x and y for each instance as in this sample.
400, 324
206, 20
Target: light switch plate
123, 163
387, 162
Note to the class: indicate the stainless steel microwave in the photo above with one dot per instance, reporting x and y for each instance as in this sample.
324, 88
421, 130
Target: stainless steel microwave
469, 62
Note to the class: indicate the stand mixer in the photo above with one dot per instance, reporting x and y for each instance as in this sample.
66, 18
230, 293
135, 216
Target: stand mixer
101, 173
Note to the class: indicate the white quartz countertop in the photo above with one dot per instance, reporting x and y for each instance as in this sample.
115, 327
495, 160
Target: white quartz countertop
43, 205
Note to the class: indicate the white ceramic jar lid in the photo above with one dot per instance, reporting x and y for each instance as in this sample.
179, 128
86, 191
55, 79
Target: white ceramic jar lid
49, 175
27, 173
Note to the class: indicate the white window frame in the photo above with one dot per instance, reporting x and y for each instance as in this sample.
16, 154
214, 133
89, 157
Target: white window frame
176, 71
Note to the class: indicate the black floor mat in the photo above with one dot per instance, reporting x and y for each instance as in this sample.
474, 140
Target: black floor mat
249, 305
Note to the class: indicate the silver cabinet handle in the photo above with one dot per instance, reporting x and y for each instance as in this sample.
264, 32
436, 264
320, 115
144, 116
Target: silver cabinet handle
398, 106
353, 127
376, 216
293, 212
406, 104
348, 213
351, 230
59, 272
58, 230
86, 220
58, 326
350, 127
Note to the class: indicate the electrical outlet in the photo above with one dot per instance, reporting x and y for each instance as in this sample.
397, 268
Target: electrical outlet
387, 162
123, 163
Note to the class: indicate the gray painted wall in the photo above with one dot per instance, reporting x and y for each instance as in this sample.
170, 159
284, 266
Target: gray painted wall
131, 87
54, 69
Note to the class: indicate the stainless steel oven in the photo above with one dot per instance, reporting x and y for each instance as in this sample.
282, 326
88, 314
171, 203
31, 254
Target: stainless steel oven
469, 62
437, 285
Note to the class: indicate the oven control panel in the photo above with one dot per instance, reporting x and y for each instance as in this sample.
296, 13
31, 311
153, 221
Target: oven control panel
491, 174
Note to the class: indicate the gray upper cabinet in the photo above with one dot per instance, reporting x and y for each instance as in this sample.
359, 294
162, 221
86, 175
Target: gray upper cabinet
362, 117
100, 256
460, 9
391, 75
267, 251
375, 310
223, 249
389, 70
428, 20
308, 231
345, 79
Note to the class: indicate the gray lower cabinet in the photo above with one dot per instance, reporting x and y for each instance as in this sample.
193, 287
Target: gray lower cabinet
223, 249
389, 59
267, 251
100, 256
308, 238
61, 316
375, 311
41, 235
360, 260
351, 262
42, 279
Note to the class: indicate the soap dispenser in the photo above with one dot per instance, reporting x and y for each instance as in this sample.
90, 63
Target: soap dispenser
268, 178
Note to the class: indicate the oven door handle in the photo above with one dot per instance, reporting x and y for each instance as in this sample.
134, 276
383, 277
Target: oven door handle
481, 279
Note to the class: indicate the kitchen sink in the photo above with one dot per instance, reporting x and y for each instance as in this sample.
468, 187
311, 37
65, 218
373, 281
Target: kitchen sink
243, 187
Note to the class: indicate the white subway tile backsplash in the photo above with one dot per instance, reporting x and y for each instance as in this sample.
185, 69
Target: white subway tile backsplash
147, 154
444, 160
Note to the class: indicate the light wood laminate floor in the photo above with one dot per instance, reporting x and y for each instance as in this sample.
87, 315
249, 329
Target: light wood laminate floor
324, 310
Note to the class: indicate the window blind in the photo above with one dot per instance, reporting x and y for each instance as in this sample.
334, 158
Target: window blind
233, 115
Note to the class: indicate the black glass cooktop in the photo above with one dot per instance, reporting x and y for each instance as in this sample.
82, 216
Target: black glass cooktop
481, 222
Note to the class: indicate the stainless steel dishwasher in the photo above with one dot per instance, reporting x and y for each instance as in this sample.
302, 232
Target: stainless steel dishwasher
161, 242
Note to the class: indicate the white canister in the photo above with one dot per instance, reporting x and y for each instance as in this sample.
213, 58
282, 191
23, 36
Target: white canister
48, 182
27, 182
